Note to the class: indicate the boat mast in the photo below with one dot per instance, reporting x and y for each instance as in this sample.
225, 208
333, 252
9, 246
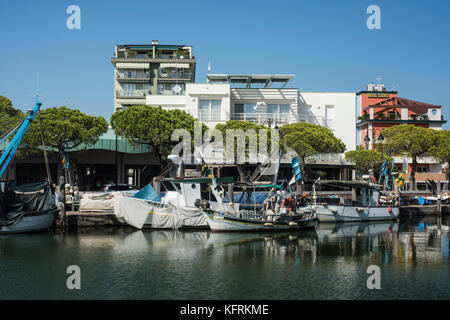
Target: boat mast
12, 147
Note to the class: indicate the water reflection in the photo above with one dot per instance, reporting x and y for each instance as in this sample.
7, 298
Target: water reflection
330, 262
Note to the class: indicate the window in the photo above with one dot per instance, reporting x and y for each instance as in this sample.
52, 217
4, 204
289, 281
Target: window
329, 112
421, 169
209, 110
278, 112
129, 89
278, 108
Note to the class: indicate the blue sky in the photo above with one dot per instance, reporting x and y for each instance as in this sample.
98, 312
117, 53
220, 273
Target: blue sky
325, 43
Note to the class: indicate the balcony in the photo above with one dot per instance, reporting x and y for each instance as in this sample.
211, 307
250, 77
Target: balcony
132, 93
137, 77
146, 57
262, 118
175, 75
167, 92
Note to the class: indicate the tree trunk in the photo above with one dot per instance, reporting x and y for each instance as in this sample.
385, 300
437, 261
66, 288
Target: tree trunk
241, 173
412, 178
301, 161
447, 171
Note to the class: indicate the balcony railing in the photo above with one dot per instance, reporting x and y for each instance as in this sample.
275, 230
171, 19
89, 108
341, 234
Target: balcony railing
132, 93
175, 75
167, 92
133, 76
262, 118
150, 56
209, 115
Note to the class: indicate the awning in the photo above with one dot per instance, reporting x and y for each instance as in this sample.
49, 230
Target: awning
132, 65
174, 65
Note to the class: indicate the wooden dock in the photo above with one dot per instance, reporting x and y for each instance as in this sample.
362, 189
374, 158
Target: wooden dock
76, 219
425, 210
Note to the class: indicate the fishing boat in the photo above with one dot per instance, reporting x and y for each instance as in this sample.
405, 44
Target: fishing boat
364, 207
26, 208
248, 222
174, 208
269, 217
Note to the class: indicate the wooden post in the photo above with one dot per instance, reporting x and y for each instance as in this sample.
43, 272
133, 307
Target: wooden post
62, 194
396, 194
439, 197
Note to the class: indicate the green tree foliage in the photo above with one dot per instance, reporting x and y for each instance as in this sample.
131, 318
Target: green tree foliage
153, 126
410, 141
246, 126
308, 139
9, 116
441, 150
365, 160
63, 127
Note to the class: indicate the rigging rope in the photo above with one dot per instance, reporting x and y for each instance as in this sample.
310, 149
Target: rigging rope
6, 136
47, 168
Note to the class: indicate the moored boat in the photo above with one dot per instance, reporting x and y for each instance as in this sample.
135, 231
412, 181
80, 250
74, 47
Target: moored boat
27, 208
365, 207
218, 222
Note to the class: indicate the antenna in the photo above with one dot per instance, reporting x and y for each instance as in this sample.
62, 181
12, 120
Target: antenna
379, 78
37, 95
209, 66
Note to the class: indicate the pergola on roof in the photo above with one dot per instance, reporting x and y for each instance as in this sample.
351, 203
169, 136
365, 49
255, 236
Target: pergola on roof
397, 102
249, 79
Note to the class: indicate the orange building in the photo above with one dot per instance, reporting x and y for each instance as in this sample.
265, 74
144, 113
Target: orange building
379, 109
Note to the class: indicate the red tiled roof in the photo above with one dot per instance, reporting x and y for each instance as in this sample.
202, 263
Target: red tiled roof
397, 102
424, 176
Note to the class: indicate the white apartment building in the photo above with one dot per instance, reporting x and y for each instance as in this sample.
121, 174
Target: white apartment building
334, 110
260, 101
150, 69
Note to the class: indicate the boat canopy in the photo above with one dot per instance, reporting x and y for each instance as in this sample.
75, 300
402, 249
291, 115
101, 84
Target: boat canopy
198, 180
351, 184
34, 198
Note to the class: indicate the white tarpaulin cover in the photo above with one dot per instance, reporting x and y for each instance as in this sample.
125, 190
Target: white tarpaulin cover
133, 210
97, 202
137, 212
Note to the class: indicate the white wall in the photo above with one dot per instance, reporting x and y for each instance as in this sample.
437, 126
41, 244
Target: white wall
343, 123
206, 91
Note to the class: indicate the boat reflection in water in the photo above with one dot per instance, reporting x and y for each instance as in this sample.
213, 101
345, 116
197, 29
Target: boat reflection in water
328, 263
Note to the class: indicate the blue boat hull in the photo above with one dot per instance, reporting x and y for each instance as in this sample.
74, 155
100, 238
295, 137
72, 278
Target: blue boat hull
31, 224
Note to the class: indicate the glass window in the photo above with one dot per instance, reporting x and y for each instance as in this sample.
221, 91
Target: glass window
249, 108
284, 108
278, 108
272, 108
329, 112
209, 110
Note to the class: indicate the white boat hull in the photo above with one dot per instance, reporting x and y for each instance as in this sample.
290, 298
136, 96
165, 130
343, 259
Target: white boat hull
342, 213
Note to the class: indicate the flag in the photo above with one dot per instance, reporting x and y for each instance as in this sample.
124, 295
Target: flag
296, 170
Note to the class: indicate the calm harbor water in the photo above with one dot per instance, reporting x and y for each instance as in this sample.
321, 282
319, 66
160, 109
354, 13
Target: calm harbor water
329, 263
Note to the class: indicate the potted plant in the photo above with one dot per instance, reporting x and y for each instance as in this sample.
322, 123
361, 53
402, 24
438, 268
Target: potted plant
392, 116
424, 117
413, 116
380, 116
181, 54
131, 54
364, 116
